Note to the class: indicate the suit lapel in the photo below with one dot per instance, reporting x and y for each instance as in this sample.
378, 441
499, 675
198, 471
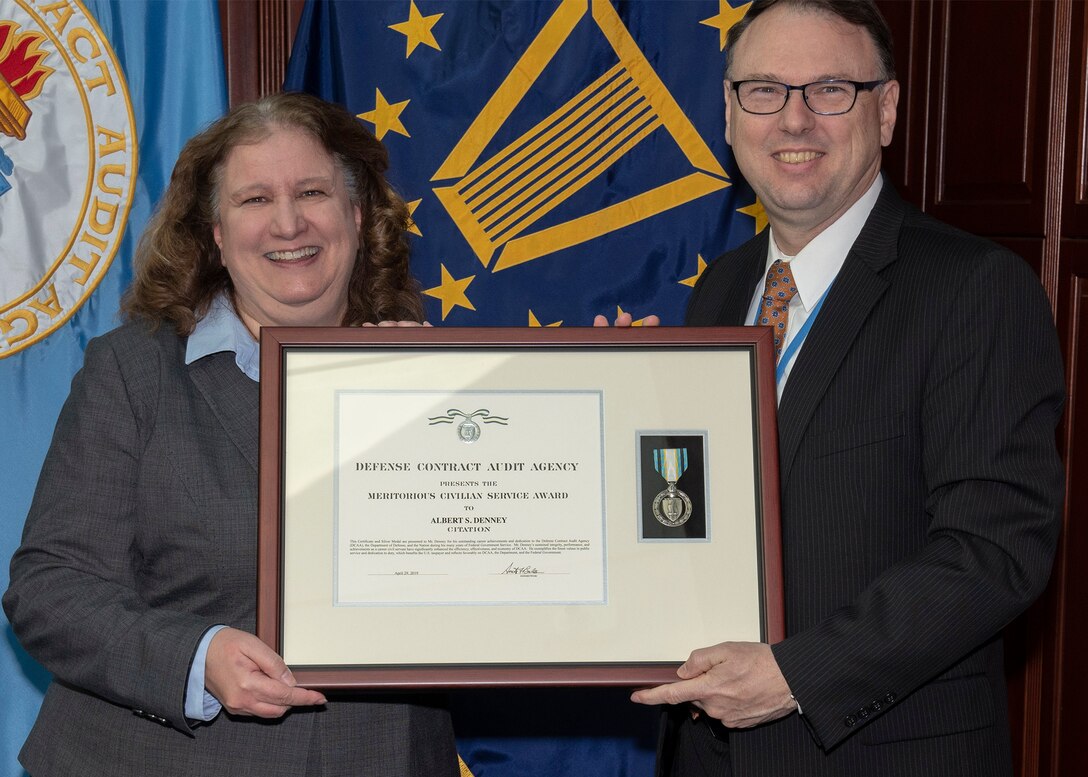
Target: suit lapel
233, 399
737, 297
855, 292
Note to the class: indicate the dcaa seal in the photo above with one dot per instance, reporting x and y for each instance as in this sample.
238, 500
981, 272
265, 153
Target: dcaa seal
67, 165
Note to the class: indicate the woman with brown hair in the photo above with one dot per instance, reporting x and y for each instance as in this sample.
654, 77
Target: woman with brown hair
135, 583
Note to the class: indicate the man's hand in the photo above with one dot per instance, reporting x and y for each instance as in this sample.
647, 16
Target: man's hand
625, 319
248, 678
739, 683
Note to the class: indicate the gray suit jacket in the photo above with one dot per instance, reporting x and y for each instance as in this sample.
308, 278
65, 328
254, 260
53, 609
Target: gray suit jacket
141, 536
921, 493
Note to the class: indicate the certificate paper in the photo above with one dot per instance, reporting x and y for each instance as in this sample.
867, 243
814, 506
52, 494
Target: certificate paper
490, 504
447, 508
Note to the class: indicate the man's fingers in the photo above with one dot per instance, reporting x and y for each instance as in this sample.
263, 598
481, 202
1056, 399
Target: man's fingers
700, 662
625, 319
670, 693
704, 659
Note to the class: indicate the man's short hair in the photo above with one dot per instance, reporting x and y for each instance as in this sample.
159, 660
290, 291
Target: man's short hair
860, 13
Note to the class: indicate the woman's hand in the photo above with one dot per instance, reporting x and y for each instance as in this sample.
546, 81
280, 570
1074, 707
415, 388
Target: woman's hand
249, 678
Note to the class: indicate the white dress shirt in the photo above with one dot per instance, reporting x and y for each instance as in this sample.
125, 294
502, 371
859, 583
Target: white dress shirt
814, 269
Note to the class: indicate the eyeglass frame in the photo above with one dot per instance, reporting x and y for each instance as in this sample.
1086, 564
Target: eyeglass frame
859, 86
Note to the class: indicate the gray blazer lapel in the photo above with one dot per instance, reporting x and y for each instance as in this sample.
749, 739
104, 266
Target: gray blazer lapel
853, 295
232, 397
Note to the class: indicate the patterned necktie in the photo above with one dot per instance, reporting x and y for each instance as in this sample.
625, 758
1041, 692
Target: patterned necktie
774, 308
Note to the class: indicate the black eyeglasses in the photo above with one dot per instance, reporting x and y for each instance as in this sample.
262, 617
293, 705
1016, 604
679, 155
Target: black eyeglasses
827, 98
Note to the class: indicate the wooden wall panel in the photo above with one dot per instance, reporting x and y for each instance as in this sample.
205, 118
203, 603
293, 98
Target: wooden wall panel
1067, 718
1063, 752
1075, 213
904, 159
257, 37
988, 127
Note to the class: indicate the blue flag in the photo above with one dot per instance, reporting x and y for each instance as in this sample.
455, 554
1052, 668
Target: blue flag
96, 100
560, 159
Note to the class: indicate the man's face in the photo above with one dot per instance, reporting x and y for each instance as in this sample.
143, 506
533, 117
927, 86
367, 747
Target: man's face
808, 169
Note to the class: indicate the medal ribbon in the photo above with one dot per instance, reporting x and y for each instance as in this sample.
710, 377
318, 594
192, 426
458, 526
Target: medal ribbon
671, 463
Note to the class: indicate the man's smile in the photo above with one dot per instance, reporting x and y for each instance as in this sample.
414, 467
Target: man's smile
797, 157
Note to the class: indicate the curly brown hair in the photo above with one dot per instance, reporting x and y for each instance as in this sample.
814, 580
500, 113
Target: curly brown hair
178, 268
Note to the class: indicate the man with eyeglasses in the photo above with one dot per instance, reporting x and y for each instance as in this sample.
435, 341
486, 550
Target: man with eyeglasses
920, 384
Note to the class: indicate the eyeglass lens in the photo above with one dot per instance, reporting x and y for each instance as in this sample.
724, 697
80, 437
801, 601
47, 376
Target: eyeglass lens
770, 97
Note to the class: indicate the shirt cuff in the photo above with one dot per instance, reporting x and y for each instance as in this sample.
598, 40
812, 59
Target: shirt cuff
199, 704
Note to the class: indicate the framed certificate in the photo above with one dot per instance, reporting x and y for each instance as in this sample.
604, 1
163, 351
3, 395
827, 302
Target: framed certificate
485, 507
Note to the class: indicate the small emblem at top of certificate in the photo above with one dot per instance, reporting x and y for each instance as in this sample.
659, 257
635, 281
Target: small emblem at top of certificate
672, 486
468, 431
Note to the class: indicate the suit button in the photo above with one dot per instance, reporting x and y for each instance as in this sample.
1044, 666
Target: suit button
863, 712
850, 721
875, 706
889, 698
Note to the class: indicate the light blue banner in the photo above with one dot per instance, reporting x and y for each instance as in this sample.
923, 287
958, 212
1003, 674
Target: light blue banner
171, 57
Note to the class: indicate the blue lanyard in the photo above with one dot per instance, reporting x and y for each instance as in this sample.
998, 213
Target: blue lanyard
798, 339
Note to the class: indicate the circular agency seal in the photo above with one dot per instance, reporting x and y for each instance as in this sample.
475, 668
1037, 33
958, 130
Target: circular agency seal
67, 165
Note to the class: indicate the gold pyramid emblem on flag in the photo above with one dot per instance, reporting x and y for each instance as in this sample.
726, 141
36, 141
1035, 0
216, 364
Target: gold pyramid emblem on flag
496, 202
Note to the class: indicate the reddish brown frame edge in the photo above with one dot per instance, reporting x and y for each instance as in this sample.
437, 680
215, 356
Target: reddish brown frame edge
274, 340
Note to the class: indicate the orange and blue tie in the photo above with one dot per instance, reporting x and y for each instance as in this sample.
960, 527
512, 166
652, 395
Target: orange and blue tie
774, 308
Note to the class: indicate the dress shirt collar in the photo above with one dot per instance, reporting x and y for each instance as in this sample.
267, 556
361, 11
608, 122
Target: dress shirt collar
221, 330
816, 265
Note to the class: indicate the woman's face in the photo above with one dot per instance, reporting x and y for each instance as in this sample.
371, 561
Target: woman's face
288, 233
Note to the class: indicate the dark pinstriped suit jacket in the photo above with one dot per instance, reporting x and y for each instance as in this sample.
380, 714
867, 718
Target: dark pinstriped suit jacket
142, 535
921, 494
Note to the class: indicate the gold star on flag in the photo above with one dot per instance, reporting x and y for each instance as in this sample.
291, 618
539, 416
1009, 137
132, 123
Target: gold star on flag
412, 226
533, 321
634, 321
726, 18
756, 211
385, 116
451, 292
418, 29
699, 271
